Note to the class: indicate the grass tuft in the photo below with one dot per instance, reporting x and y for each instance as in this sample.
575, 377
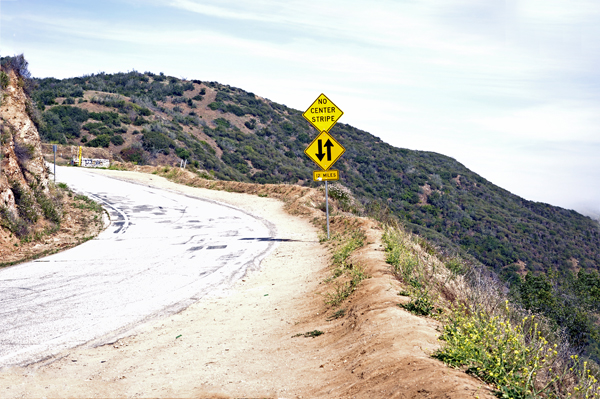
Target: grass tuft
350, 275
337, 314
409, 268
309, 334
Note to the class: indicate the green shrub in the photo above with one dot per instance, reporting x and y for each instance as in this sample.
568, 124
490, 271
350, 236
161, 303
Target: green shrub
92, 125
13, 223
135, 155
139, 121
303, 138
51, 207
84, 202
24, 152
343, 195
117, 140
4, 80
25, 202
108, 117
182, 153
144, 111
421, 304
157, 141
251, 124
222, 122
102, 140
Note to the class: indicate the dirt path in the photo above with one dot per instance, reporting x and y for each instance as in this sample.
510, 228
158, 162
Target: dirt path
239, 343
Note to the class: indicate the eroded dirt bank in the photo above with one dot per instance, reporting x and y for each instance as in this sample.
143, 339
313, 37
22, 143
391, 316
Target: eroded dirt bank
239, 343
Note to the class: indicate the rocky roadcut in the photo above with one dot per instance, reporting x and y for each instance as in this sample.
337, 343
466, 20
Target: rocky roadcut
239, 343
36, 218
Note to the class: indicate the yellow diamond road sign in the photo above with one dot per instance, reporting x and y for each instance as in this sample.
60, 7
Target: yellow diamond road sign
323, 114
324, 150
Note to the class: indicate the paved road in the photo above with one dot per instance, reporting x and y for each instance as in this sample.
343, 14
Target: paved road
162, 252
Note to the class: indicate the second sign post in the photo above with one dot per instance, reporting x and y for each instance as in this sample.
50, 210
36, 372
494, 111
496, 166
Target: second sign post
324, 150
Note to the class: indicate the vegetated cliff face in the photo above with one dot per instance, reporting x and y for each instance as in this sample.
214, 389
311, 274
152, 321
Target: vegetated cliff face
23, 175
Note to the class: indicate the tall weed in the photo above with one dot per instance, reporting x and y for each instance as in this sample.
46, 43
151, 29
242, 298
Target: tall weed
350, 274
409, 268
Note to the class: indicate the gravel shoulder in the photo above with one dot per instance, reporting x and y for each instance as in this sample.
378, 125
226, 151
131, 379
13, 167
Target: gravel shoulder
238, 343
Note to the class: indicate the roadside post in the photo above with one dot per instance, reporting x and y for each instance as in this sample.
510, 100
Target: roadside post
80, 155
54, 151
324, 150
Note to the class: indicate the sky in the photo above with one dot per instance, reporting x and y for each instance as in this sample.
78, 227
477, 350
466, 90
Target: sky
509, 88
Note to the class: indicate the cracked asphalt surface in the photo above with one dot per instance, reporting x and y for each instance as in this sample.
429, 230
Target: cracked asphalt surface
161, 252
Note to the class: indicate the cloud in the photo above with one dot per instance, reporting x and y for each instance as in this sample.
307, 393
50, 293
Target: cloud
226, 9
556, 121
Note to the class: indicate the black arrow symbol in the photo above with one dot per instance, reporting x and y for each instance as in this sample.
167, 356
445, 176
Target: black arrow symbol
328, 144
321, 154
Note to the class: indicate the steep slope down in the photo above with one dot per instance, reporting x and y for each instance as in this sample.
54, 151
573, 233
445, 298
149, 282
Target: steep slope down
240, 343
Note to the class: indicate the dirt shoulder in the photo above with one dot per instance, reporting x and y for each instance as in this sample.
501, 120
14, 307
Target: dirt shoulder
239, 343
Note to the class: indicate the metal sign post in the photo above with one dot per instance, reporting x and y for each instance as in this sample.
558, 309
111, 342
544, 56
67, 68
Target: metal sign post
54, 150
327, 206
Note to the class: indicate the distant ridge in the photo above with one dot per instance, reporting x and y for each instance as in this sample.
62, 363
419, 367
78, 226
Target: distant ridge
236, 135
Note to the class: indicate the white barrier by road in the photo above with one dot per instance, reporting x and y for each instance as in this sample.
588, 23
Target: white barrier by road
92, 162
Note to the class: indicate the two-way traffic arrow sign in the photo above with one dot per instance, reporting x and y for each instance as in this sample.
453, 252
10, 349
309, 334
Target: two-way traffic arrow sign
321, 154
325, 159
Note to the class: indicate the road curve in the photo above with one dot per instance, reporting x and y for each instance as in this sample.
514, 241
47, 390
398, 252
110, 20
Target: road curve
161, 252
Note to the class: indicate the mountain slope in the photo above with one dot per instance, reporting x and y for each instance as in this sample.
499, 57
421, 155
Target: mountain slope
236, 135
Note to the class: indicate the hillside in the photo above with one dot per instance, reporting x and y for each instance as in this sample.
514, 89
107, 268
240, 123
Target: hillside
236, 135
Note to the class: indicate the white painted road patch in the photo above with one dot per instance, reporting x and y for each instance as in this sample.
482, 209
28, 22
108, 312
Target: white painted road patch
162, 252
